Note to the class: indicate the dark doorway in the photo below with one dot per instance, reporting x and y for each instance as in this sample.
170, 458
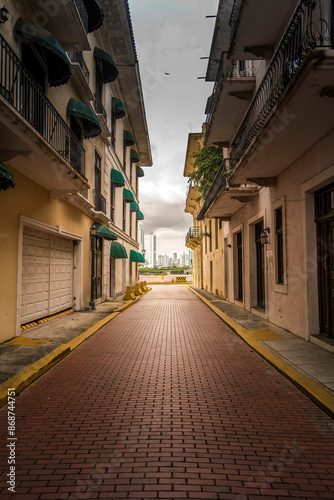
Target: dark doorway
260, 277
239, 295
324, 209
98, 269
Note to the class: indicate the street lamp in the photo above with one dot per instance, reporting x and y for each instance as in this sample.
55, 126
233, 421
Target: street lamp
264, 236
93, 230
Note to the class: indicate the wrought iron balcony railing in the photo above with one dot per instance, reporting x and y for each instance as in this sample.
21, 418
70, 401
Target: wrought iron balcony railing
99, 107
83, 13
77, 57
99, 201
228, 69
194, 232
310, 27
22, 92
234, 15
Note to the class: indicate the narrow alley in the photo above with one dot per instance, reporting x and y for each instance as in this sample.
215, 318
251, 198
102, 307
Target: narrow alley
166, 402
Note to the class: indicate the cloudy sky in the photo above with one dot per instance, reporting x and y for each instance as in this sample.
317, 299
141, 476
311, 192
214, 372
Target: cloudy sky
171, 36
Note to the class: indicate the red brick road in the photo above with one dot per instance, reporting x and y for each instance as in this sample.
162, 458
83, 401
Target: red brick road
166, 402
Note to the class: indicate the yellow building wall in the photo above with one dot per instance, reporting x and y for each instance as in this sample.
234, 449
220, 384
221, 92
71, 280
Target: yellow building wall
32, 201
213, 257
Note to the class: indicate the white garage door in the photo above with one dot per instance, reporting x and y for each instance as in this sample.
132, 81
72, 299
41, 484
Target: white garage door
47, 274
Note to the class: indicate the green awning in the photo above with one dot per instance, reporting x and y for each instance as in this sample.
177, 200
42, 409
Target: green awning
136, 256
134, 207
119, 108
129, 140
134, 156
90, 122
109, 68
117, 178
139, 215
95, 14
127, 195
140, 172
117, 251
6, 178
105, 232
58, 64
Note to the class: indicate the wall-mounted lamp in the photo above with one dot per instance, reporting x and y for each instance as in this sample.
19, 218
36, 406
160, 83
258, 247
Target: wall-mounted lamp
4, 15
264, 236
228, 246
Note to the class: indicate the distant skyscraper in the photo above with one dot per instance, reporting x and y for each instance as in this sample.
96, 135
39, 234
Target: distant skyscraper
141, 235
153, 250
160, 260
175, 257
165, 260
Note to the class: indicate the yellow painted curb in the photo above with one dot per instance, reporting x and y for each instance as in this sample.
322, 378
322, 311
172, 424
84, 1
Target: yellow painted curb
72, 344
310, 387
29, 374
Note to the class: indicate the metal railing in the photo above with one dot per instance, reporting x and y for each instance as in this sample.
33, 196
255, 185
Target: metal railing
22, 92
99, 107
234, 15
194, 232
310, 27
83, 13
228, 69
99, 201
77, 57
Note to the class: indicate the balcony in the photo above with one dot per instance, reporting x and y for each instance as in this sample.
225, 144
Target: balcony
194, 145
194, 237
291, 110
224, 198
233, 91
267, 21
80, 77
192, 199
102, 116
67, 20
31, 128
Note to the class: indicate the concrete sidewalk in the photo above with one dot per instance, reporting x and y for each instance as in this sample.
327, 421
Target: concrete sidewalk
308, 366
25, 358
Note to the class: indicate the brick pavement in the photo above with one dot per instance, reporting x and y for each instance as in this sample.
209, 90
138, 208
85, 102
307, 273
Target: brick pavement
165, 402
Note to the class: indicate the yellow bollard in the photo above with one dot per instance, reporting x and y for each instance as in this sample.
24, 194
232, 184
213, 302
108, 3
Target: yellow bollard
144, 286
138, 290
129, 295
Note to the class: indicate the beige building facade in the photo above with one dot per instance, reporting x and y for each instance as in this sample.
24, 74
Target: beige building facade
73, 138
271, 110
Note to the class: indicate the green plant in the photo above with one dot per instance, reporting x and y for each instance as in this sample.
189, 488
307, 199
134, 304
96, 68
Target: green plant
207, 163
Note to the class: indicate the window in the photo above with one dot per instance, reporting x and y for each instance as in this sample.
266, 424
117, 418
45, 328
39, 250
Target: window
217, 234
112, 202
113, 127
124, 215
210, 237
131, 170
279, 246
206, 239
130, 224
97, 172
124, 155
98, 80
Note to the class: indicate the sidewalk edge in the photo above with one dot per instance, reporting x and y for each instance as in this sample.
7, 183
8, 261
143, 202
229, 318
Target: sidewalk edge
310, 387
29, 374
